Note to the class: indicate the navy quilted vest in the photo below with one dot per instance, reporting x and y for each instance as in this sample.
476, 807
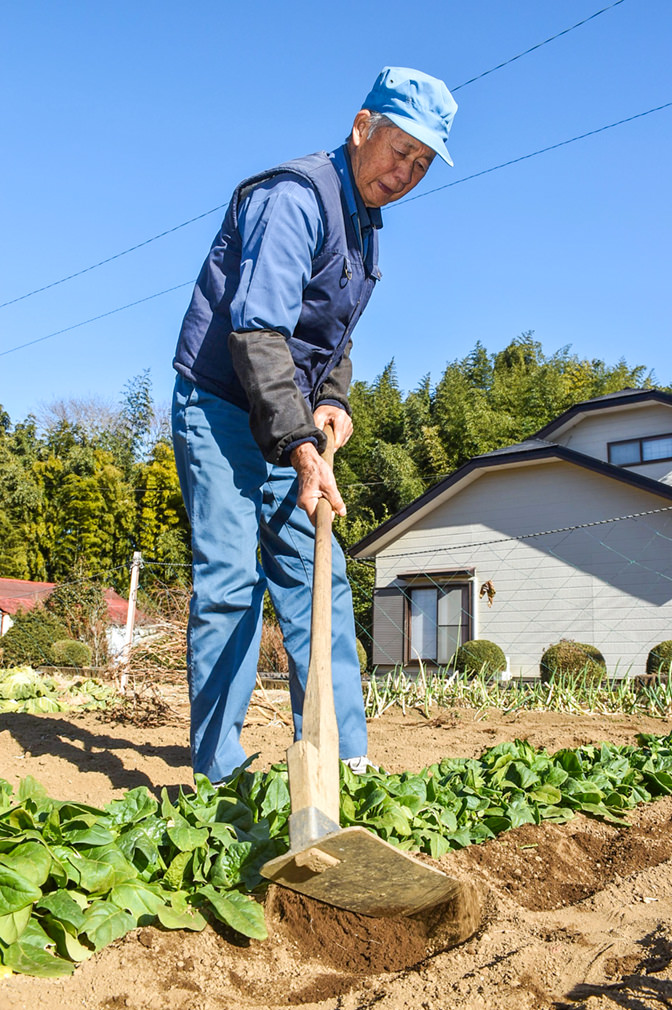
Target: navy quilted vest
334, 299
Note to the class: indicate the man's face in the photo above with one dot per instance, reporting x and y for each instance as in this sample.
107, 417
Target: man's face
387, 165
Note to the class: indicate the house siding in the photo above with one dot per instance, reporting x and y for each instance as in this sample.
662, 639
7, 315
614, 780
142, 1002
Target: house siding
592, 432
609, 585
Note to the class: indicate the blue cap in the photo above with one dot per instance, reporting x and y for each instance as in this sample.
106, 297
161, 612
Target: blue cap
417, 103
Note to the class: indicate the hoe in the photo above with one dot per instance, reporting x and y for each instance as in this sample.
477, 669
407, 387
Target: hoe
348, 867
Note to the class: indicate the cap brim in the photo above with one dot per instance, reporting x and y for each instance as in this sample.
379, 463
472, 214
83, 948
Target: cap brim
421, 133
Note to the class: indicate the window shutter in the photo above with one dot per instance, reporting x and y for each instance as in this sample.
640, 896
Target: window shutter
388, 626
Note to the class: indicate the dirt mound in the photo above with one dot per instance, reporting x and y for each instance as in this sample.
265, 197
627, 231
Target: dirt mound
356, 943
555, 865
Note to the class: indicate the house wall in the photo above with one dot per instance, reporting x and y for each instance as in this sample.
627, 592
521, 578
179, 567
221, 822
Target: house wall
608, 585
592, 433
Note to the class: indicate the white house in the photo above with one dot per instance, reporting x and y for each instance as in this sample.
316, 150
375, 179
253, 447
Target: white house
572, 529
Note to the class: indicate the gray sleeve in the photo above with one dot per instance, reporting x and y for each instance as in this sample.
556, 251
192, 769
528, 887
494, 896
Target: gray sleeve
335, 387
280, 418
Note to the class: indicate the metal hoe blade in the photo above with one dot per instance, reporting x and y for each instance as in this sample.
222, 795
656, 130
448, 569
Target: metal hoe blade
353, 869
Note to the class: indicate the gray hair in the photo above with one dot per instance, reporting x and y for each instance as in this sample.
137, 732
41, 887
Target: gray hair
377, 121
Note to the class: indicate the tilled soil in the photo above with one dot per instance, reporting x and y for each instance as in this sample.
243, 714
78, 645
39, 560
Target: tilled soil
547, 918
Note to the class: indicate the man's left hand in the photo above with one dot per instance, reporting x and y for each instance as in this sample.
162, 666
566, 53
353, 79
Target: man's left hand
338, 418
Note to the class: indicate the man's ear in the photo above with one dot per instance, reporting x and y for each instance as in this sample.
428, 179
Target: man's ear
360, 127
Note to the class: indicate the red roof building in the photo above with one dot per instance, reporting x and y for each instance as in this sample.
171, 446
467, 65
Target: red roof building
20, 594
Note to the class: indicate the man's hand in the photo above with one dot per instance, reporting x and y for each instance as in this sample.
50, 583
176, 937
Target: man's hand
316, 480
338, 418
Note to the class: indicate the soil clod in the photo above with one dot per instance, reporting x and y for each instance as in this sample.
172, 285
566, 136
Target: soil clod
357, 943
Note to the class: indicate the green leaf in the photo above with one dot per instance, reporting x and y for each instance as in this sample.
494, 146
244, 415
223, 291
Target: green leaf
182, 918
243, 914
111, 856
395, 817
521, 775
185, 838
546, 794
603, 813
226, 869
141, 847
78, 833
31, 859
569, 761
94, 876
16, 891
31, 954
231, 810
104, 922
448, 820
64, 907
174, 875
277, 796
520, 813
138, 898
661, 782
459, 839
438, 844
6, 794
30, 788
497, 824
67, 945
221, 833
13, 924
136, 805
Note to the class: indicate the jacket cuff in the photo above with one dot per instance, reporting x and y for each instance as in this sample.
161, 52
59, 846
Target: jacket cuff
284, 458
343, 404
279, 414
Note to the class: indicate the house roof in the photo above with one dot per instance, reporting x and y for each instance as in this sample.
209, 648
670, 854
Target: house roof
20, 594
530, 451
610, 401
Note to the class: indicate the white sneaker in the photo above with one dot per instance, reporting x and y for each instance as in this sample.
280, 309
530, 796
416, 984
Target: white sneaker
360, 765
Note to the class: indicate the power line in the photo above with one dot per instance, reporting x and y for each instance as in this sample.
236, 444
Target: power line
467, 178
529, 536
94, 319
532, 48
524, 157
116, 256
222, 206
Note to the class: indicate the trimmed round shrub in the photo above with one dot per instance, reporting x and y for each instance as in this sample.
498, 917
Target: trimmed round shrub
70, 652
570, 660
362, 657
477, 655
29, 642
659, 659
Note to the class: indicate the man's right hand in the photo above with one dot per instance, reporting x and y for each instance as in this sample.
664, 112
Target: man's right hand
316, 480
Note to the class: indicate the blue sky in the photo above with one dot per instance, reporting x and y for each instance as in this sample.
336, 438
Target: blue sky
121, 120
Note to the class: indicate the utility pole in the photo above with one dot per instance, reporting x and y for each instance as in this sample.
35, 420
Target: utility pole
136, 565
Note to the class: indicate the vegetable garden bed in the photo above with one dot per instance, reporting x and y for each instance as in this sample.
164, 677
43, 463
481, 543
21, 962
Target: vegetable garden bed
121, 880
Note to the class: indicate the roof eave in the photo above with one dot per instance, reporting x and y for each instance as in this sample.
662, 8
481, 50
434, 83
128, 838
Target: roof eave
370, 545
572, 416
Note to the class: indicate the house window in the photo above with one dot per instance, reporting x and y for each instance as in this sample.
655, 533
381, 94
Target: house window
438, 621
633, 451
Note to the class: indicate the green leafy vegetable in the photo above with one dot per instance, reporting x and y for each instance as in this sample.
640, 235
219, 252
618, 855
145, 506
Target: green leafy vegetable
74, 878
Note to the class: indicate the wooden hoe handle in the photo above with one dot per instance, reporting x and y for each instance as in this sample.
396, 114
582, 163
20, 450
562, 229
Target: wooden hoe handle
313, 761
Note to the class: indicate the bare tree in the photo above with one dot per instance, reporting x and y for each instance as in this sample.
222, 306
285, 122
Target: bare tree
92, 415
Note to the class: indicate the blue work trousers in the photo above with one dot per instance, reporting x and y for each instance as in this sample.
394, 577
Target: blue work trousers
237, 502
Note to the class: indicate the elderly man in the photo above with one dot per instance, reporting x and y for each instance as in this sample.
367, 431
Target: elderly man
263, 363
